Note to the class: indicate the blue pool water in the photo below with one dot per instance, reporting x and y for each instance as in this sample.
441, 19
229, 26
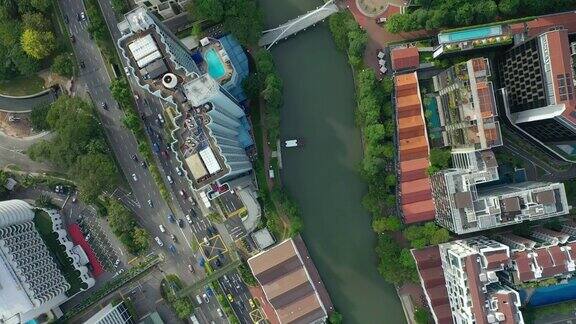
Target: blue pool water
468, 34
215, 65
553, 294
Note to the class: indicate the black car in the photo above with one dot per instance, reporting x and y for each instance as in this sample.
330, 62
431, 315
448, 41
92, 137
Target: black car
66, 19
180, 223
143, 164
82, 65
134, 157
104, 106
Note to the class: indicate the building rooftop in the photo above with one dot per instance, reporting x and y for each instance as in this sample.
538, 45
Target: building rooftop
405, 58
291, 283
413, 150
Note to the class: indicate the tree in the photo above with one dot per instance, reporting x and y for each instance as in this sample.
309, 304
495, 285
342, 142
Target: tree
119, 6
357, 40
38, 44
422, 316
465, 14
440, 158
244, 19
36, 21
390, 180
3, 180
386, 224
141, 239
131, 121
212, 10
183, 308
95, 173
509, 8
44, 201
41, 5
63, 65
335, 318
486, 11
121, 92
397, 23
339, 29
38, 117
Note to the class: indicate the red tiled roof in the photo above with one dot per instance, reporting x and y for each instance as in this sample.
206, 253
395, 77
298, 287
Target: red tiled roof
507, 307
496, 259
559, 258
475, 286
78, 239
545, 261
572, 250
523, 266
405, 58
559, 50
413, 151
429, 267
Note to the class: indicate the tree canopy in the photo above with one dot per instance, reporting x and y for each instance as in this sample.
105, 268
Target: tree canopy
64, 65
424, 235
452, 13
122, 222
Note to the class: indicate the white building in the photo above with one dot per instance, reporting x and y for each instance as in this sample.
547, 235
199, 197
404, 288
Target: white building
464, 204
30, 282
212, 132
474, 290
165, 8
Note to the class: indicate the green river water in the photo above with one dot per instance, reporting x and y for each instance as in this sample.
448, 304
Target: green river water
322, 177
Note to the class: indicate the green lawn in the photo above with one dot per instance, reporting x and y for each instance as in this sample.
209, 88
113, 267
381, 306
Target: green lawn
22, 86
44, 226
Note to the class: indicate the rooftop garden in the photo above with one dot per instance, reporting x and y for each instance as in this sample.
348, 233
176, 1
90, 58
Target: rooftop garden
43, 225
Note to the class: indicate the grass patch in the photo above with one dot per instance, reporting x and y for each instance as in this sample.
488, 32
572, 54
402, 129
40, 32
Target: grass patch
43, 224
22, 86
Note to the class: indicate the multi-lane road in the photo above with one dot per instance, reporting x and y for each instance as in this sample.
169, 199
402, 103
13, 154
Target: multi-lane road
93, 81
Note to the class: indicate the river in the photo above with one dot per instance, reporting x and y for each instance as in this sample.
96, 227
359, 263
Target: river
322, 177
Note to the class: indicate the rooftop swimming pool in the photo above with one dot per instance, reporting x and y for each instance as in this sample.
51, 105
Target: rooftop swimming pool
215, 66
469, 34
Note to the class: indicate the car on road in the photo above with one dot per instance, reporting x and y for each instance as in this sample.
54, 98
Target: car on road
219, 311
209, 291
82, 65
144, 165
66, 20
162, 229
104, 106
189, 219
172, 249
179, 171
134, 177
72, 39
183, 194
173, 237
170, 180
180, 223
171, 218
191, 268
127, 71
230, 298
165, 154
251, 302
159, 241
160, 119
156, 148
205, 297
199, 300
81, 16
134, 157
150, 203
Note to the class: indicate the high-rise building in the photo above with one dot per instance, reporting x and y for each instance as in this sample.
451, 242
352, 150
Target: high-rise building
472, 287
537, 82
467, 107
212, 132
30, 282
470, 197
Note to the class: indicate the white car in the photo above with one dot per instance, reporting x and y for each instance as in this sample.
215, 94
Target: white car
199, 300
189, 219
219, 311
206, 299
170, 179
178, 171
162, 229
127, 71
159, 241
134, 177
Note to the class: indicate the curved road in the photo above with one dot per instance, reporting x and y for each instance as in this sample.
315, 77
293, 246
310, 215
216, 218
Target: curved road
26, 103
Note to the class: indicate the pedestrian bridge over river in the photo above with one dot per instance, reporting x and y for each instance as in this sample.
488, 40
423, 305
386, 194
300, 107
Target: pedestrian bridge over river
293, 26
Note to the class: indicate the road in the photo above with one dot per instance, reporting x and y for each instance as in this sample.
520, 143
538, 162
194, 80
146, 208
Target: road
94, 80
232, 284
26, 103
